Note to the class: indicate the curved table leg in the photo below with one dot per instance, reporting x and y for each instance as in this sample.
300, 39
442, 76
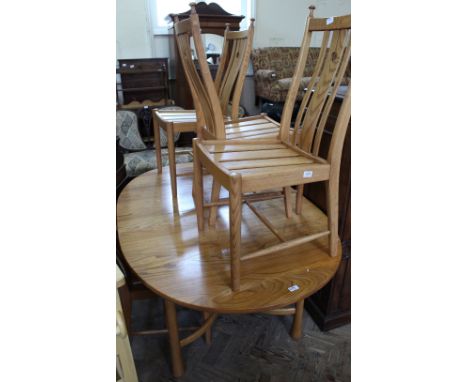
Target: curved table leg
172, 327
296, 331
206, 315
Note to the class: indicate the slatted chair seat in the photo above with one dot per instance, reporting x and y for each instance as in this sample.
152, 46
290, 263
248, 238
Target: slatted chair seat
258, 163
179, 116
188, 116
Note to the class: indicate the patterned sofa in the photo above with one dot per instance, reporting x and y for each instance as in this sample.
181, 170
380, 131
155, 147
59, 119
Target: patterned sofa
274, 68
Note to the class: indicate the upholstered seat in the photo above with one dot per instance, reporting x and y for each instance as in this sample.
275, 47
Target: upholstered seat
285, 83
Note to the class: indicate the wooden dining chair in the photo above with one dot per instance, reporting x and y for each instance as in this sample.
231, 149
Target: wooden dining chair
228, 84
254, 127
248, 168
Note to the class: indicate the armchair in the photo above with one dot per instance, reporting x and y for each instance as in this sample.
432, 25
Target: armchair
137, 157
274, 69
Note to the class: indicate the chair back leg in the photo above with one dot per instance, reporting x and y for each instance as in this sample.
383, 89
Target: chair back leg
198, 186
215, 190
287, 201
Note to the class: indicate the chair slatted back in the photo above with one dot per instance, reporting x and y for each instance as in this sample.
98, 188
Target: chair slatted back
334, 56
210, 97
204, 94
233, 67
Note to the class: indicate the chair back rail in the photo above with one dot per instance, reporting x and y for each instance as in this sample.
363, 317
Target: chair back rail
211, 99
203, 88
233, 68
334, 56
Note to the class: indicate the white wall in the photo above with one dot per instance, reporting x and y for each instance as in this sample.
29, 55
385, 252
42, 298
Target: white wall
278, 23
133, 29
281, 22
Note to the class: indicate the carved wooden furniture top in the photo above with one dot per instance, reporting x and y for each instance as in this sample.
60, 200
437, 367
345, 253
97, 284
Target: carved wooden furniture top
213, 18
192, 269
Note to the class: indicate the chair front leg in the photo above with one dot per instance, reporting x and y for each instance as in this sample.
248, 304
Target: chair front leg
198, 186
300, 191
235, 217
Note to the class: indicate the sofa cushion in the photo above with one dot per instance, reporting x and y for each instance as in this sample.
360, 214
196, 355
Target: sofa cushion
137, 163
285, 83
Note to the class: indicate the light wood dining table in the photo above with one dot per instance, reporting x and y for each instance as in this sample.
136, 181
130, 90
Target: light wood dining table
189, 268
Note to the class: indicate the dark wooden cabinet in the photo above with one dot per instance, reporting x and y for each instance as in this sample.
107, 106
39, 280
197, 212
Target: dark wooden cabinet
213, 20
331, 306
143, 79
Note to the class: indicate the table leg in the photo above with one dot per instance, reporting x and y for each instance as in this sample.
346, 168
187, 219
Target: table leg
206, 315
296, 331
172, 327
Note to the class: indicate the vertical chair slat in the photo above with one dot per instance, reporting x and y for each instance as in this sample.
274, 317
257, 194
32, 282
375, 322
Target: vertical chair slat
202, 87
330, 100
322, 90
242, 72
229, 79
224, 60
311, 85
293, 89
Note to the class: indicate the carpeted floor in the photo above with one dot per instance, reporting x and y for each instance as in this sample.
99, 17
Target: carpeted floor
254, 347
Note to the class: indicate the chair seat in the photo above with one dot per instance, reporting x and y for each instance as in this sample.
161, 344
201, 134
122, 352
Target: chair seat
249, 129
252, 129
177, 116
185, 116
265, 165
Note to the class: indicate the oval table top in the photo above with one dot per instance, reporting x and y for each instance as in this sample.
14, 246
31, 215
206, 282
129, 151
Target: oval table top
165, 249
